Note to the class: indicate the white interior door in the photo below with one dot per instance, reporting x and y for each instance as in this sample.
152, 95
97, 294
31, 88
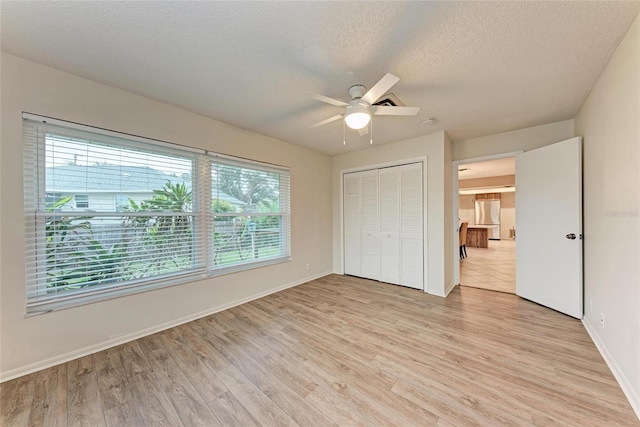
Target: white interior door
549, 225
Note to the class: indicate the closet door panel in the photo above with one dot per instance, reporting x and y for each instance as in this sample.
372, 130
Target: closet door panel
411, 264
411, 201
369, 198
389, 199
352, 224
389, 179
370, 236
411, 226
390, 258
371, 255
352, 251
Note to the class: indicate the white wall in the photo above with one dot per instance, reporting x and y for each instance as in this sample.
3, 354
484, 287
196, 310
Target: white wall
609, 122
450, 229
517, 140
507, 214
36, 342
433, 147
467, 208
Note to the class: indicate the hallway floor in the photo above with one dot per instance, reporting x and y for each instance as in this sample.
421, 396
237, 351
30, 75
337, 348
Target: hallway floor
492, 268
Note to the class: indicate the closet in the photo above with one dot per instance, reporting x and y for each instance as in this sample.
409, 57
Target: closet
383, 224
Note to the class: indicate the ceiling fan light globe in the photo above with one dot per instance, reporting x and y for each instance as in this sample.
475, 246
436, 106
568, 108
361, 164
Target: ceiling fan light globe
357, 116
357, 120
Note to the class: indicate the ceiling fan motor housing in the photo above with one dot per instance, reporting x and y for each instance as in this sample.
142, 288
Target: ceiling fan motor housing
357, 91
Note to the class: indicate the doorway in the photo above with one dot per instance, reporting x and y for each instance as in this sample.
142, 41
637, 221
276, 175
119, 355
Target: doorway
549, 223
485, 200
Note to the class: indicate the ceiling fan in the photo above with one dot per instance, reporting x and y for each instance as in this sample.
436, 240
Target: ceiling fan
362, 106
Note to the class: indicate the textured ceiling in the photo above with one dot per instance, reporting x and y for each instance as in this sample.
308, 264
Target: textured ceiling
477, 67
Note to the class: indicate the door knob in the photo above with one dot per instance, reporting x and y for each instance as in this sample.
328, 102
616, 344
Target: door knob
571, 236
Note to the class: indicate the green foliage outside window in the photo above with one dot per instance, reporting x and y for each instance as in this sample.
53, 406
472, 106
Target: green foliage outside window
155, 244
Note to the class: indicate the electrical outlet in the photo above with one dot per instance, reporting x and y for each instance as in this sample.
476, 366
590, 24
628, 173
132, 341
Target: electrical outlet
602, 319
308, 267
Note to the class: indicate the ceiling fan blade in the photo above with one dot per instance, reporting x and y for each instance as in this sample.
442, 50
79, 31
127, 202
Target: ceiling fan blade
383, 110
329, 120
326, 99
380, 88
364, 131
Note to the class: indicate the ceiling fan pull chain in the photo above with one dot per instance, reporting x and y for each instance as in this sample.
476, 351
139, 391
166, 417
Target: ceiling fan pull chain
344, 134
371, 131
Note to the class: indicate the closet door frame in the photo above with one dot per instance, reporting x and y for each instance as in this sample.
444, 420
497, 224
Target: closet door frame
425, 227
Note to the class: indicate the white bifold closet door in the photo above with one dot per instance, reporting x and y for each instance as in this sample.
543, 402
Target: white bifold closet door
383, 225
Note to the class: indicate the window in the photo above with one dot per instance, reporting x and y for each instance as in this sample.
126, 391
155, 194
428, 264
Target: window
161, 214
121, 202
250, 210
82, 201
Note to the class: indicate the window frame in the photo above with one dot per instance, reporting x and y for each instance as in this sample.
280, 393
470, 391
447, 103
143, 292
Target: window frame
34, 184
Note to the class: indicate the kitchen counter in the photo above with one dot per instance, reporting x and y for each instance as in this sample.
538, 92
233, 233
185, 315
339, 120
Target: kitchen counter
478, 236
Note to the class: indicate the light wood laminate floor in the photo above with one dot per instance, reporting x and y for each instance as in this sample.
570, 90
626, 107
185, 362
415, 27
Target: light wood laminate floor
339, 351
492, 268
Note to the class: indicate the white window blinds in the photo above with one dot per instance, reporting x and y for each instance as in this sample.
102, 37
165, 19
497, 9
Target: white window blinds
251, 217
109, 214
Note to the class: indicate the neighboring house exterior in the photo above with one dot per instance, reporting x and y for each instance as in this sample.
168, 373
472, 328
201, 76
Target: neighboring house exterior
108, 188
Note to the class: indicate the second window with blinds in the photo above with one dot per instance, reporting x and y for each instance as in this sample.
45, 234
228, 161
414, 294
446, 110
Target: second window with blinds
110, 214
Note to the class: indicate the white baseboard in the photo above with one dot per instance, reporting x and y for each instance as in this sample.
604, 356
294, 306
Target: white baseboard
38, 366
449, 289
437, 294
441, 294
625, 385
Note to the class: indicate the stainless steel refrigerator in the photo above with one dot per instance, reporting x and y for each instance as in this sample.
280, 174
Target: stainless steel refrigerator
488, 214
